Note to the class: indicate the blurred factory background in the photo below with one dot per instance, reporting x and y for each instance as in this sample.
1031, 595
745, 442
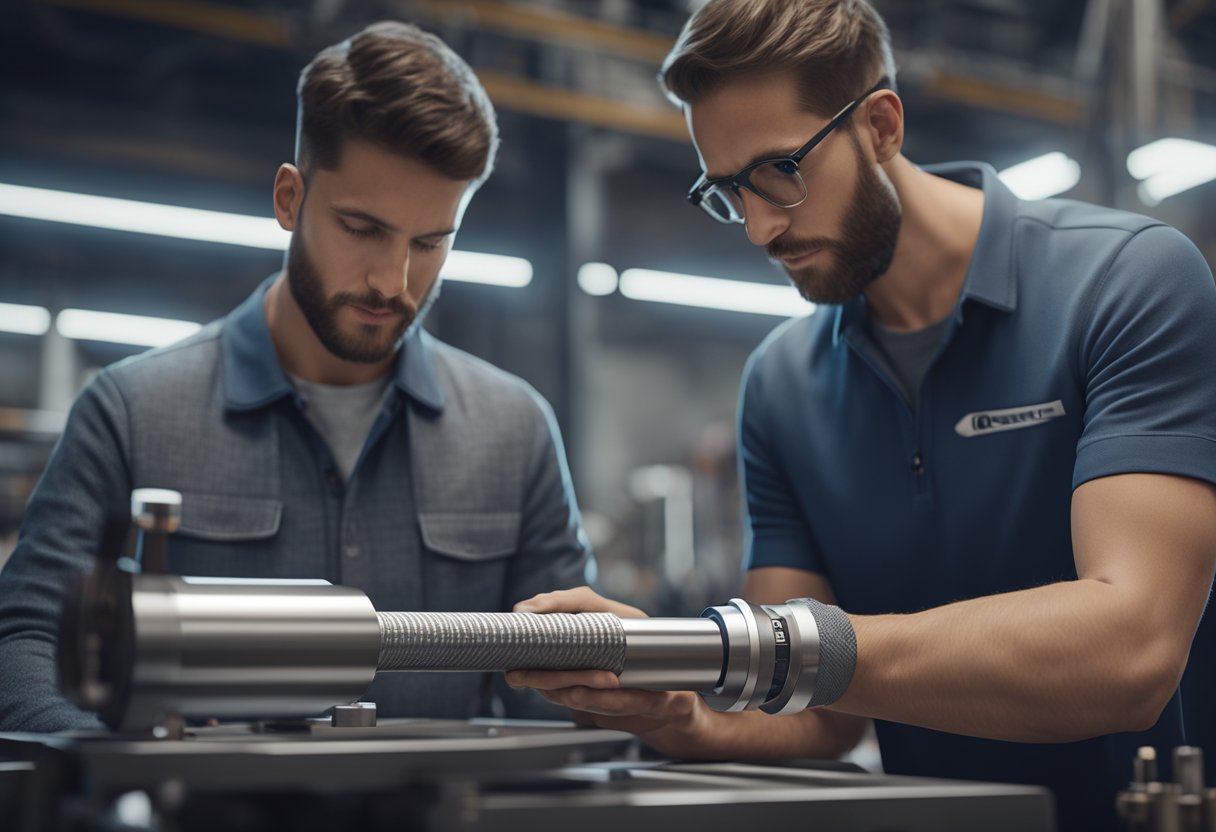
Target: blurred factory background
190, 103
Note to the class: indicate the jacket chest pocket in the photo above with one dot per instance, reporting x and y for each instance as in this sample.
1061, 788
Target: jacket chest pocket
467, 557
228, 536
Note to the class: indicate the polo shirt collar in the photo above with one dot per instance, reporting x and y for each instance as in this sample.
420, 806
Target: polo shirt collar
990, 275
253, 377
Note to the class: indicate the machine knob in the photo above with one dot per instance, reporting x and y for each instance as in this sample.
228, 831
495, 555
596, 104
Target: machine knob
156, 509
156, 513
1144, 766
1188, 769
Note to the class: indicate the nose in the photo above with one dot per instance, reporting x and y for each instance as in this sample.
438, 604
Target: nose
390, 278
764, 221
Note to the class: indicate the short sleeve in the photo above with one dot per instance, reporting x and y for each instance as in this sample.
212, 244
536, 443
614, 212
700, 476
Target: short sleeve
1148, 361
775, 531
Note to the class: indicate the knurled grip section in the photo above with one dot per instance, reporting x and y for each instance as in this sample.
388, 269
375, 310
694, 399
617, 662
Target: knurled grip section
495, 641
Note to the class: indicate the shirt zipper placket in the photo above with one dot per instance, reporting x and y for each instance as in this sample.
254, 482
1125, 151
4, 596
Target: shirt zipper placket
916, 459
919, 420
912, 418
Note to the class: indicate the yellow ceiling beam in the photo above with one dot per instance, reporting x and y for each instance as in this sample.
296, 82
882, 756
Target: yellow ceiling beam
514, 93
208, 18
550, 25
1004, 98
136, 150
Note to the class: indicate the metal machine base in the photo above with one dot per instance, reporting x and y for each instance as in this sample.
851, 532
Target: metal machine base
460, 776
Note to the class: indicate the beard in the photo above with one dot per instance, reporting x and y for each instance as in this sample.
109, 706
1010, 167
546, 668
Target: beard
361, 343
865, 248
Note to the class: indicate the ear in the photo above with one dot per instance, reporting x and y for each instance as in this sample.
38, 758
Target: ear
288, 195
884, 124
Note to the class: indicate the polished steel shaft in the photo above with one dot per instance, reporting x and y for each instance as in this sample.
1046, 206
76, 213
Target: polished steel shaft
655, 653
490, 641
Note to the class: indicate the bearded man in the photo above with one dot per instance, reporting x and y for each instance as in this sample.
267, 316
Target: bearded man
988, 460
318, 431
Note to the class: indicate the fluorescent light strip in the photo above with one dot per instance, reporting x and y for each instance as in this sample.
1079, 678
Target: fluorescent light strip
1164, 185
1171, 166
598, 279
136, 330
1168, 155
24, 320
487, 269
1043, 176
219, 227
142, 217
713, 293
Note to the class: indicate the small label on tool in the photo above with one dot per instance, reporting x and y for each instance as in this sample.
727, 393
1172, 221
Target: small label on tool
781, 654
779, 630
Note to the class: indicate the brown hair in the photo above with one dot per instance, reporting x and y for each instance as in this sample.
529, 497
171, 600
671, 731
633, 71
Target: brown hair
403, 89
837, 49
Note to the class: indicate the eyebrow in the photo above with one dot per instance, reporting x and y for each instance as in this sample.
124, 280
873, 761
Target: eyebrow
780, 153
356, 214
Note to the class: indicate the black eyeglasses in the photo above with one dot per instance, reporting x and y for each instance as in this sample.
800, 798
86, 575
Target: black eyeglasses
776, 181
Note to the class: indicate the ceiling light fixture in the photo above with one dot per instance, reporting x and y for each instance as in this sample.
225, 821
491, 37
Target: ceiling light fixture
24, 320
115, 328
1171, 166
219, 227
1043, 176
714, 293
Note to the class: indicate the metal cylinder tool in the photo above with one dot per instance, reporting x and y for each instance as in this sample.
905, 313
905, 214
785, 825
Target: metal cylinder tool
138, 646
213, 647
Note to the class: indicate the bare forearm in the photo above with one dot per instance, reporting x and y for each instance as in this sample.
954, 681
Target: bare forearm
1052, 664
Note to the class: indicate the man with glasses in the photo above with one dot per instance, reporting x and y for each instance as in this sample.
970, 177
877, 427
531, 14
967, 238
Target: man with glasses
988, 456
774, 178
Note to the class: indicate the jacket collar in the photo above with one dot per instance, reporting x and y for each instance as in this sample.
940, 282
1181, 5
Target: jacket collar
253, 377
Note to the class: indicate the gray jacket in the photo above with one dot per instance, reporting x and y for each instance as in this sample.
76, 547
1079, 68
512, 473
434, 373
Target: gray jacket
461, 499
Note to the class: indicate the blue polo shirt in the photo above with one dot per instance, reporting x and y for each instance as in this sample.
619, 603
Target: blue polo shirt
1081, 346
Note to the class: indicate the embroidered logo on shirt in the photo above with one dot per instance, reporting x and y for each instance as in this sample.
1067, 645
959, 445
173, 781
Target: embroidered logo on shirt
1012, 418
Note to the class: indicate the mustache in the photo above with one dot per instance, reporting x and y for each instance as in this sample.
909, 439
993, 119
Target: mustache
784, 247
376, 303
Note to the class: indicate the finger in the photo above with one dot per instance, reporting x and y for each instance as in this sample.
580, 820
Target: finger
639, 725
582, 718
580, 599
625, 702
554, 679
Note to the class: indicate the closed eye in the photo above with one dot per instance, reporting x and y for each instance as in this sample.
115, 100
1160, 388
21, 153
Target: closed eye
368, 232
427, 245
